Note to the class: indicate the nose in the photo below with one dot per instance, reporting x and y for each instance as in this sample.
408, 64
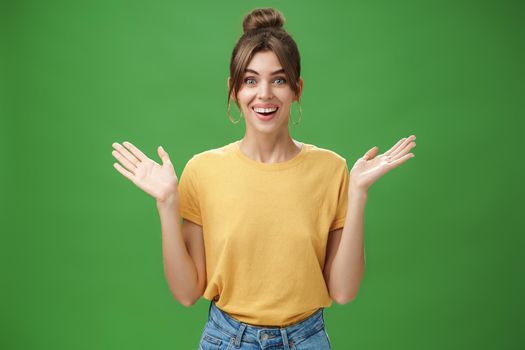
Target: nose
265, 91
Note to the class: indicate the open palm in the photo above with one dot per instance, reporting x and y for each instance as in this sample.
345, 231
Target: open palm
159, 181
371, 166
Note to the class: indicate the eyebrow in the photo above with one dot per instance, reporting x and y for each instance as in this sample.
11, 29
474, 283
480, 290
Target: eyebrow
273, 73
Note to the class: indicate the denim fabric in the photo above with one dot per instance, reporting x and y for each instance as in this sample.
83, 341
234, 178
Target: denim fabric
223, 332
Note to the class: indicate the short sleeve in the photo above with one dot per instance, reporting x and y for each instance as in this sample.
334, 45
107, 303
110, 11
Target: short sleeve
189, 204
343, 179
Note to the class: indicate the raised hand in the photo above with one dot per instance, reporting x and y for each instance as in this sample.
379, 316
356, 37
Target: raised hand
158, 181
370, 167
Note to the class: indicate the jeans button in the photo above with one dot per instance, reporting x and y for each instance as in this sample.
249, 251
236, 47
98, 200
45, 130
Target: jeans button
264, 336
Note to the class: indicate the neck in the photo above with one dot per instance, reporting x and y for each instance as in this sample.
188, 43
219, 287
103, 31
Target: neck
270, 148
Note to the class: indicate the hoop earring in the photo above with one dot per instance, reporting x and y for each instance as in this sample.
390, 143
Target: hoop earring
300, 114
230, 116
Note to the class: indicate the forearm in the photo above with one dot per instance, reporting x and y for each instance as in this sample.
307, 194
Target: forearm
349, 262
179, 268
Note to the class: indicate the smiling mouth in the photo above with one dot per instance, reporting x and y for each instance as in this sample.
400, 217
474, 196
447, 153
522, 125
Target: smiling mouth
266, 114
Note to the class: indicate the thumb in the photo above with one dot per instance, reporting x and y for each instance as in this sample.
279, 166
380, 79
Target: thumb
371, 153
163, 155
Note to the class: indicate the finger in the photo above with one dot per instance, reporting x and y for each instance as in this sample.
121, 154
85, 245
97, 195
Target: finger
122, 150
398, 162
136, 152
394, 147
163, 155
129, 166
402, 146
371, 153
403, 151
123, 171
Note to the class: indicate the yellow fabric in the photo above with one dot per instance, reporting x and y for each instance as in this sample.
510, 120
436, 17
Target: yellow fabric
265, 229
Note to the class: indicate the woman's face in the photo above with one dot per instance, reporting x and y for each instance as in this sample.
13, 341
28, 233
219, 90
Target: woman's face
264, 85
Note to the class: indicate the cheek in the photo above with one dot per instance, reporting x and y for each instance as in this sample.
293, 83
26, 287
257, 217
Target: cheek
245, 99
246, 94
286, 97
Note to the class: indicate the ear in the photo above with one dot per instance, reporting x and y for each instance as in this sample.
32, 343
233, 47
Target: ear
298, 97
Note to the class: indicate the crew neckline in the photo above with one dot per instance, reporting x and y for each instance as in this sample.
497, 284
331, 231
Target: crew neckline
271, 166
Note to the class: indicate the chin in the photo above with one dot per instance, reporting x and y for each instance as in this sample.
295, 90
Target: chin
267, 128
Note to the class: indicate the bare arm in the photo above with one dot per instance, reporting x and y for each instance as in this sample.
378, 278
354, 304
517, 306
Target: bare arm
346, 258
182, 246
185, 274
345, 261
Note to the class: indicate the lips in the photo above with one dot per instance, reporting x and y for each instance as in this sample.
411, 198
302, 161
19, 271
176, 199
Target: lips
266, 110
265, 116
265, 105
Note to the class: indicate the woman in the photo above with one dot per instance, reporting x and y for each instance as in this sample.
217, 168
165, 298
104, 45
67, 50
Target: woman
264, 235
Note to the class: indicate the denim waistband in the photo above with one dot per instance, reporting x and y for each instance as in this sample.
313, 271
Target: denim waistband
255, 334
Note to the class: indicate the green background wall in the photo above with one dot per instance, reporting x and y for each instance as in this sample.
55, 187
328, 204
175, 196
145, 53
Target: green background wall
81, 245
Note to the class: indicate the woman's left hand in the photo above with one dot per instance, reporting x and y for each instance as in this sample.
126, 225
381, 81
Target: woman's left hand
370, 167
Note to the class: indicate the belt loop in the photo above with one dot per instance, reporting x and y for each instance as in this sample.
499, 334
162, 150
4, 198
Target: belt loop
238, 336
285, 339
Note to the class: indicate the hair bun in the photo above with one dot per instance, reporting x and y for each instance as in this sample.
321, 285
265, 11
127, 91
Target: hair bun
263, 18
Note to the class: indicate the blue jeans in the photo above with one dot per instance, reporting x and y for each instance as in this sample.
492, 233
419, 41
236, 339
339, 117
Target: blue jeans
223, 332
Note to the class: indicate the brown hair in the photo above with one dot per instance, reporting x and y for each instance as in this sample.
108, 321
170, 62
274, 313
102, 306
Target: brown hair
263, 32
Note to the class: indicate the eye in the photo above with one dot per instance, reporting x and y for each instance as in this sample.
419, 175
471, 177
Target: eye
280, 80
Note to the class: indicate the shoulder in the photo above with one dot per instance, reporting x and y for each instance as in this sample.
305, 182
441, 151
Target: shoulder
327, 157
210, 157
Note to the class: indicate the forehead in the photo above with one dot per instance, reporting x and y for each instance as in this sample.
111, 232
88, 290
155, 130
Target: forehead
264, 62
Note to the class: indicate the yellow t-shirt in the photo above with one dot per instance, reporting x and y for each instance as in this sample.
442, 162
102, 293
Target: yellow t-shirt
265, 229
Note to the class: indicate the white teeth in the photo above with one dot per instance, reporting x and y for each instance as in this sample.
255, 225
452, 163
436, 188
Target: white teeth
265, 110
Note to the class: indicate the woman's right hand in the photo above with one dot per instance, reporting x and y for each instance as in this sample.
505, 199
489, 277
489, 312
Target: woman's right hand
158, 181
